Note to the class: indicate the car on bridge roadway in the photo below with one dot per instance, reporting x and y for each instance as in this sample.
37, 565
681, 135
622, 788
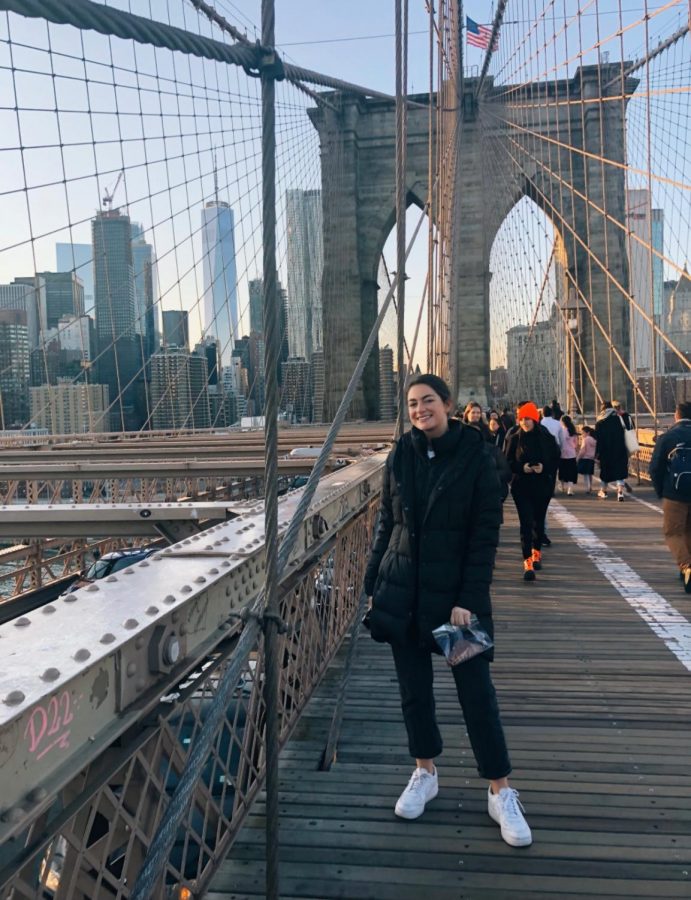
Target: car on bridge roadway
110, 563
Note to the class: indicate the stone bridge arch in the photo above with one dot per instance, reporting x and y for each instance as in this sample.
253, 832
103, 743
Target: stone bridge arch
560, 143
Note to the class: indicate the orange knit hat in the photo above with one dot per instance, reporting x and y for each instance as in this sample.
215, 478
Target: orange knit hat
528, 411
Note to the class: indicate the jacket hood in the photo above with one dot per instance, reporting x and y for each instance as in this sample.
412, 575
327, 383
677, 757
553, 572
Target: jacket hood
606, 413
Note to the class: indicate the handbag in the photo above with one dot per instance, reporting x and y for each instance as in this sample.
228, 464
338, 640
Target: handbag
630, 439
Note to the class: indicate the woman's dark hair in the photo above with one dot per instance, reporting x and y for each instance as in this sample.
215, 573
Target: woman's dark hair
438, 385
570, 427
588, 430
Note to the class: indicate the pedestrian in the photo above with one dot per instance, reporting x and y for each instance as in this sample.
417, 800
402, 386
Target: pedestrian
431, 563
497, 430
495, 448
553, 426
533, 457
568, 469
507, 418
611, 451
586, 457
630, 425
670, 471
557, 411
473, 415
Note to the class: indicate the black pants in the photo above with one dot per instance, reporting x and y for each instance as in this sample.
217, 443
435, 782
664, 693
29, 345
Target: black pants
478, 701
532, 498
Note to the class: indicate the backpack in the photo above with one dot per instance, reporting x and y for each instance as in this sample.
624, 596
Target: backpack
679, 467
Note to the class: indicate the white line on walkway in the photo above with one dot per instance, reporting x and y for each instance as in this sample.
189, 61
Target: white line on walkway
645, 503
662, 618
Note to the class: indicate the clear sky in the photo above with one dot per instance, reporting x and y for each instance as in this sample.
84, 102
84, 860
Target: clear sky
163, 117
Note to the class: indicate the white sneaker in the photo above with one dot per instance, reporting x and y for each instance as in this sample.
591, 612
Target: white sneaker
507, 811
421, 788
569, 493
602, 494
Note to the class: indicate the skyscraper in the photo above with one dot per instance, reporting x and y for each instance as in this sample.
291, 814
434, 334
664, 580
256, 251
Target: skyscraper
63, 295
67, 408
221, 317
296, 395
387, 390
78, 258
176, 328
22, 296
179, 390
119, 352
257, 317
14, 368
256, 288
146, 318
305, 261
646, 279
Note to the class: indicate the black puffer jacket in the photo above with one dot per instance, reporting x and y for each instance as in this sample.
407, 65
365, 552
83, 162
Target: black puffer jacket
435, 550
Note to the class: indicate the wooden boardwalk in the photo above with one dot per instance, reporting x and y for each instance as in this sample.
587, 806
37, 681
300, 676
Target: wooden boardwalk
597, 711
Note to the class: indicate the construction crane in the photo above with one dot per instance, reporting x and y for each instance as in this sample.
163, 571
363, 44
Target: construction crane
108, 195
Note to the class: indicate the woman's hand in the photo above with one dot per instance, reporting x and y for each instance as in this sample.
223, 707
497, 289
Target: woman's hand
538, 469
460, 616
527, 468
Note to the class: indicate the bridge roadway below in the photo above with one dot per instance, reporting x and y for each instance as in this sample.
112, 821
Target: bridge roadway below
596, 703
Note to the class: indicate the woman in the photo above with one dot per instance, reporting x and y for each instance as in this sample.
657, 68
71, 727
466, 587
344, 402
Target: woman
532, 454
472, 415
586, 457
611, 451
496, 429
568, 470
431, 563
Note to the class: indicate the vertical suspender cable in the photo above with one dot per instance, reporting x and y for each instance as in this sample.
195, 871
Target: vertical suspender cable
272, 337
400, 207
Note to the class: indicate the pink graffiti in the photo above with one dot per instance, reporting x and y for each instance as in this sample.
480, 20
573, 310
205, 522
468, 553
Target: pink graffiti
47, 727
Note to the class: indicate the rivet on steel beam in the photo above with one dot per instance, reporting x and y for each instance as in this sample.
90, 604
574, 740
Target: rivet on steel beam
128, 572
107, 638
200, 580
111, 578
139, 643
169, 599
93, 587
37, 795
213, 571
225, 564
185, 589
70, 598
47, 610
152, 610
131, 669
130, 623
82, 655
22, 623
51, 674
143, 564
14, 698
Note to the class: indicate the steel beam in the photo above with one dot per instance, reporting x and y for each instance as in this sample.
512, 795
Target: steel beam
77, 673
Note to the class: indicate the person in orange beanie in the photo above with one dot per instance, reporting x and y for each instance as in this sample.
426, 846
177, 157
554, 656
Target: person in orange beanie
533, 456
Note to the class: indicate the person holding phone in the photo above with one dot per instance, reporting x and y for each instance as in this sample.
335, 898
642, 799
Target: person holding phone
533, 456
431, 564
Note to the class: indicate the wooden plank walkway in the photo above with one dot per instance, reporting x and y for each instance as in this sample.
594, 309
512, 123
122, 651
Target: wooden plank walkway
597, 712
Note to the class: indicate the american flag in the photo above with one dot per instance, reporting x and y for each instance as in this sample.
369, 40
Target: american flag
479, 35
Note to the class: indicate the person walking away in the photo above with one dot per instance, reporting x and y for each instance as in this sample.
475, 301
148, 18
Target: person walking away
568, 469
553, 426
431, 563
533, 456
670, 472
586, 457
630, 425
557, 411
611, 451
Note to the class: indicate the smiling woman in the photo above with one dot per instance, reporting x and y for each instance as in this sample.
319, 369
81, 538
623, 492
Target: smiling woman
431, 564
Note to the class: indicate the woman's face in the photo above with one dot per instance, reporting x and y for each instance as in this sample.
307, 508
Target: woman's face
474, 415
527, 424
494, 424
428, 411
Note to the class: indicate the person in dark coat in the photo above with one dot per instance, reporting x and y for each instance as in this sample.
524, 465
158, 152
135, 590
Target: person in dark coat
497, 430
533, 455
670, 472
611, 450
431, 563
